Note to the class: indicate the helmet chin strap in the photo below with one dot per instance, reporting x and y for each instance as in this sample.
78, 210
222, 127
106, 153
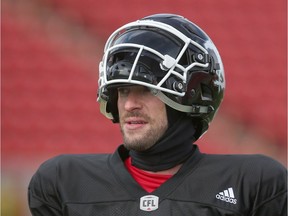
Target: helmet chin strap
173, 148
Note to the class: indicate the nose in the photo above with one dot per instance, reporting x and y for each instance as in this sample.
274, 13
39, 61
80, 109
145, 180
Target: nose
133, 101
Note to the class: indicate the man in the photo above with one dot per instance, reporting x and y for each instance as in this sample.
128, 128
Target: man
162, 80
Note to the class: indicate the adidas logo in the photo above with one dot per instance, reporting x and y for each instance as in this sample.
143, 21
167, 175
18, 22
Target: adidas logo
227, 196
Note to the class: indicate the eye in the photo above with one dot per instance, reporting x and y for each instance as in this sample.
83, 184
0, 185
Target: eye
123, 91
147, 90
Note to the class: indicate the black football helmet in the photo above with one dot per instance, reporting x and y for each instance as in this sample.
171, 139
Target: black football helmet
171, 56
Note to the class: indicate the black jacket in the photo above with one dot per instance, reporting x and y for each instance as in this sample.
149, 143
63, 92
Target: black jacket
206, 185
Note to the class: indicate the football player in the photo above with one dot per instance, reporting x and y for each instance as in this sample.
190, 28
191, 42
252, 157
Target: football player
162, 79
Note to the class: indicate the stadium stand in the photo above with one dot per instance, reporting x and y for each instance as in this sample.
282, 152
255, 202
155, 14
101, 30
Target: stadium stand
255, 93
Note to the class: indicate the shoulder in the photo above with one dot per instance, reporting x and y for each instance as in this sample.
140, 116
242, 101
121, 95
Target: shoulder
252, 171
61, 169
252, 167
256, 175
251, 163
67, 163
68, 166
263, 169
257, 180
58, 176
67, 160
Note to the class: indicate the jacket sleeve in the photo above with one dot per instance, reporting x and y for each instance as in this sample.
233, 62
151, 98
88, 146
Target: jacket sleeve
276, 206
43, 198
271, 198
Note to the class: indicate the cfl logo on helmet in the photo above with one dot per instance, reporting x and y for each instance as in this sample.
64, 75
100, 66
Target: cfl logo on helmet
149, 203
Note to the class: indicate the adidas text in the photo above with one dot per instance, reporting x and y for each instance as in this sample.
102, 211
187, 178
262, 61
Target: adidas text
226, 199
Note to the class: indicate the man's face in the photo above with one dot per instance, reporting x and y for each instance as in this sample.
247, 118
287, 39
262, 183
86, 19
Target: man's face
143, 118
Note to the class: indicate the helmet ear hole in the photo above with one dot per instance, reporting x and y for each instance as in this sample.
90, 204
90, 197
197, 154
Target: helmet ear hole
206, 93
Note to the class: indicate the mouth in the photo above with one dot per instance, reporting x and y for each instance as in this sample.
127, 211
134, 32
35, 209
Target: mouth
133, 124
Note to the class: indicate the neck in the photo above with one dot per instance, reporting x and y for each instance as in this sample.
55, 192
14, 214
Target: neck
170, 151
